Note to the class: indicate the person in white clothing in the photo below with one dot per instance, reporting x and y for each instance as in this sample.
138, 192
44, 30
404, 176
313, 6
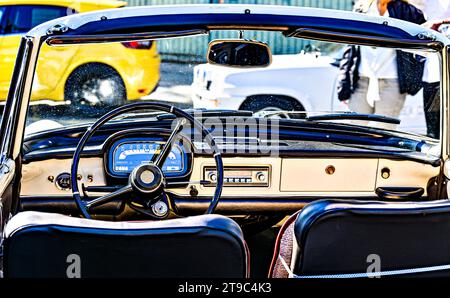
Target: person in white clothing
378, 65
378, 89
436, 12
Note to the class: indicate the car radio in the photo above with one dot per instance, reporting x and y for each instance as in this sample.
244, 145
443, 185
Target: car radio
239, 176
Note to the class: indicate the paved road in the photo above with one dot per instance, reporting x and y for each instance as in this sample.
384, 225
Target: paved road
174, 86
176, 74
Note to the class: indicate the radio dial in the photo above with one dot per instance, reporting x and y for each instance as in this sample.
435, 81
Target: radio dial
261, 177
213, 177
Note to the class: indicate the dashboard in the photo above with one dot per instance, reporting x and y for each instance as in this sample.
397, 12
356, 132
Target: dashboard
253, 182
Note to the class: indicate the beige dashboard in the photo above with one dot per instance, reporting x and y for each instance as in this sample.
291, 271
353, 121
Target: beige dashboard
288, 177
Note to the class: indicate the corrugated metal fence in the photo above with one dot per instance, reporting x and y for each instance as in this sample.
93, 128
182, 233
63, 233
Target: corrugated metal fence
194, 48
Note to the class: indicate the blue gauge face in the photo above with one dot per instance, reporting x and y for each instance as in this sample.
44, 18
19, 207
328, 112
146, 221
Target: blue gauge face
127, 155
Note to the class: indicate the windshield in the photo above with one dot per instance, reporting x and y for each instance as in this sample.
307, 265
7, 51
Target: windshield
303, 79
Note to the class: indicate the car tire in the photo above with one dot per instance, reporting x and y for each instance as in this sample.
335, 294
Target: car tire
95, 84
273, 103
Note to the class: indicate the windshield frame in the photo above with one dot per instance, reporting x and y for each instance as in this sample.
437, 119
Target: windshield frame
85, 28
2, 19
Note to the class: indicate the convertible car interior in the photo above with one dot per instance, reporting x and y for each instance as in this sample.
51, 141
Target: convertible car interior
148, 189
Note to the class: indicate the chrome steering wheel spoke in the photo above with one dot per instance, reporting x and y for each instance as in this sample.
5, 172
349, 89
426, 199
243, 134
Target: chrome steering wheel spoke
162, 156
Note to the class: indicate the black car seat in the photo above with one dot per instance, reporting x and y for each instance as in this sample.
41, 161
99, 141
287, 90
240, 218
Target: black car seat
332, 238
53, 245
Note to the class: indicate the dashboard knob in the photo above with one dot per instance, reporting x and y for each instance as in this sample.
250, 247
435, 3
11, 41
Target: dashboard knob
261, 177
385, 173
212, 176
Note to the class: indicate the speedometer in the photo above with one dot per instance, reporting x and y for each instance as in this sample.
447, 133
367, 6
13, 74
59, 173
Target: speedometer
126, 155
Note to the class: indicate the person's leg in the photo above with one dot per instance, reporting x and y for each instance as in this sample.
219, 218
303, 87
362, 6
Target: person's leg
391, 103
358, 102
431, 106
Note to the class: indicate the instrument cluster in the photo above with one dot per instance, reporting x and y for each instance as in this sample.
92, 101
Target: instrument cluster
125, 154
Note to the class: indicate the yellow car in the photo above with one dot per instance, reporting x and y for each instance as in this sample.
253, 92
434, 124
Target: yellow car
102, 74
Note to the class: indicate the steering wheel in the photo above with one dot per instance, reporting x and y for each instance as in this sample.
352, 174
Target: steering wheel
147, 180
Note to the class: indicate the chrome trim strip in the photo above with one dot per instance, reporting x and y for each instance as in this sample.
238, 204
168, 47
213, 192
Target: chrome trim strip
445, 96
25, 85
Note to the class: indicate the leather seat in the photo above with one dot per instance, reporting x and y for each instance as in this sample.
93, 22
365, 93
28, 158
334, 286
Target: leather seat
48, 245
332, 237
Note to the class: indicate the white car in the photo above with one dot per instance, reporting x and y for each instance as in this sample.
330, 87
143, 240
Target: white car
300, 82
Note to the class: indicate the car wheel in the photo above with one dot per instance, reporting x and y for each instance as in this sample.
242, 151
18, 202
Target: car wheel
95, 84
273, 103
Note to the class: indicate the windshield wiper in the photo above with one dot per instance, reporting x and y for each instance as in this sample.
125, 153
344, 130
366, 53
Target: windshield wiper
334, 116
227, 113
354, 116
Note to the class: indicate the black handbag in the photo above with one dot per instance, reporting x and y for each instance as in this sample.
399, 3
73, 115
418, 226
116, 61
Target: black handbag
410, 72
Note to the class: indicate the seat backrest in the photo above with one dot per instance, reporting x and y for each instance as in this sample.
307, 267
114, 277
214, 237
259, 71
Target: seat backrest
53, 245
346, 237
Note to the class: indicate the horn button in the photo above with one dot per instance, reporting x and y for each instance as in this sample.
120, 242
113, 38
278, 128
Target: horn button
147, 179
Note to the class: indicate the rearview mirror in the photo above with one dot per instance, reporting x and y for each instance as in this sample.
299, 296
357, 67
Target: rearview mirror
239, 53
